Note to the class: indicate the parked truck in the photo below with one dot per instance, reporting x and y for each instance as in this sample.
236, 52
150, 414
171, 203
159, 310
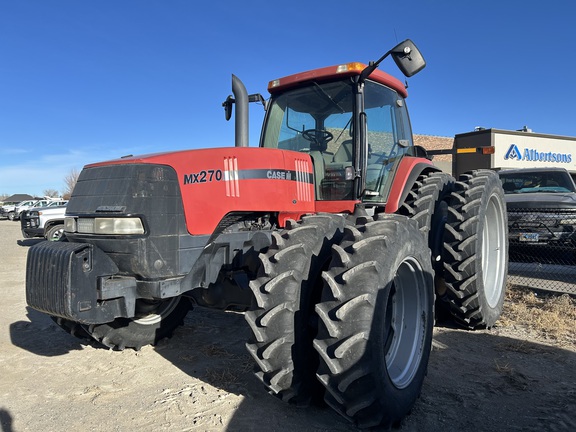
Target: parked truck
47, 222
22, 207
334, 237
7, 209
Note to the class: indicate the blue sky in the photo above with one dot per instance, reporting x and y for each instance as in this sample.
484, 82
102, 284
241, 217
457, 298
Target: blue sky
84, 80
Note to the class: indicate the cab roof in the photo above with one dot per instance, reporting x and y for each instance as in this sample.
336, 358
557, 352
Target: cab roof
334, 72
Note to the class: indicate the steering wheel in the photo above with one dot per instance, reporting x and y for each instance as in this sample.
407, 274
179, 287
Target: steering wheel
317, 136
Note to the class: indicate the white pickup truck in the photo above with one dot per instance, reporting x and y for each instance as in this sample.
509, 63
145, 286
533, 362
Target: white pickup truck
47, 222
14, 212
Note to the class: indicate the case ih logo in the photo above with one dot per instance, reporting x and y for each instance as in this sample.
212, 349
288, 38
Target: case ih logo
535, 155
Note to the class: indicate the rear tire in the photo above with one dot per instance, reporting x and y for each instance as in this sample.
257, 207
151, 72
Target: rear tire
426, 204
376, 321
155, 320
476, 250
283, 322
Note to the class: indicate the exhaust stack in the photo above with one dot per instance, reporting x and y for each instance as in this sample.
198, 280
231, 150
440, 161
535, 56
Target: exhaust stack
241, 120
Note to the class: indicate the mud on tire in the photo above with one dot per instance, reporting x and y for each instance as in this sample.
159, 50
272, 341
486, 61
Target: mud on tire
283, 322
476, 250
376, 321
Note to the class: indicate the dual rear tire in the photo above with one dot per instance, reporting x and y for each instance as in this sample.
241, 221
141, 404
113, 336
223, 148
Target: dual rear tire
465, 221
376, 321
345, 311
476, 250
372, 324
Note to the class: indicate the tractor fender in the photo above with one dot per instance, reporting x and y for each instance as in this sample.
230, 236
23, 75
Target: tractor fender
406, 174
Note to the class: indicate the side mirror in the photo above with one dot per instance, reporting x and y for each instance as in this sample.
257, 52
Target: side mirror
227, 104
408, 58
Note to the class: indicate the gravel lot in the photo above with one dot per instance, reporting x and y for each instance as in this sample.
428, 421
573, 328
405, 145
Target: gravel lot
201, 379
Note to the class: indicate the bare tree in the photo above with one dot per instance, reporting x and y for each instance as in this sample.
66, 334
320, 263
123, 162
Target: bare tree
70, 181
52, 193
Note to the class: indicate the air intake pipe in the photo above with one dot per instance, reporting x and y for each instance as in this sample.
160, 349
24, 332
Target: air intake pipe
241, 120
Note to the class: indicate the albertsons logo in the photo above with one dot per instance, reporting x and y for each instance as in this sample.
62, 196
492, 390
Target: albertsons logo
534, 155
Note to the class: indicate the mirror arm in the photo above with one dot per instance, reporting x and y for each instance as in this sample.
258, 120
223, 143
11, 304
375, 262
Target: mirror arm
371, 67
227, 104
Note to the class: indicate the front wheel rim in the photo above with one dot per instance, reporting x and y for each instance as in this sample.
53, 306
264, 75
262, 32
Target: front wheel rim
152, 312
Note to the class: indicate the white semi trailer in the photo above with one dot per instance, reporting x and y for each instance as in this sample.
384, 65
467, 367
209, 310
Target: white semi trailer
499, 149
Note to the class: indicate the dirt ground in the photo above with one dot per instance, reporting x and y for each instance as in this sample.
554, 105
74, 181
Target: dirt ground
504, 379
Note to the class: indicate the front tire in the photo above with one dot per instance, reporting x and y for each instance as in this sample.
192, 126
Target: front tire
376, 321
74, 328
155, 320
476, 250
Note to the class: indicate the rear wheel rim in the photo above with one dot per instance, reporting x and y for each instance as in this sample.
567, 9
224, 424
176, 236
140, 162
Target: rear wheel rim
493, 250
405, 326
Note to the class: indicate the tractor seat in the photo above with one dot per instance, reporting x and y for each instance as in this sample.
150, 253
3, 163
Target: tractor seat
344, 153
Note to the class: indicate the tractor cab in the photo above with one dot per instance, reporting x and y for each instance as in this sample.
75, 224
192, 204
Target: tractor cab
352, 121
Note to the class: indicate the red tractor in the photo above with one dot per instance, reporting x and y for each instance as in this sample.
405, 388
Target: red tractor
337, 237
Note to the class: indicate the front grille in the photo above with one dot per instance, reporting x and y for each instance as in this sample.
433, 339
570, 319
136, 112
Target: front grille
544, 224
28, 220
148, 191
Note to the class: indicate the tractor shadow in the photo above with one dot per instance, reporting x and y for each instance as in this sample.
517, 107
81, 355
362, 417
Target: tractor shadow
41, 336
496, 381
210, 347
481, 380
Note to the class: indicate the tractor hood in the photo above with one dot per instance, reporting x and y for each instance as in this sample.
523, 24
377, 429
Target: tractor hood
210, 181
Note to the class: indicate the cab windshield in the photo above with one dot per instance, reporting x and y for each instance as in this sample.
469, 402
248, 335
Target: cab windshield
313, 118
319, 120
